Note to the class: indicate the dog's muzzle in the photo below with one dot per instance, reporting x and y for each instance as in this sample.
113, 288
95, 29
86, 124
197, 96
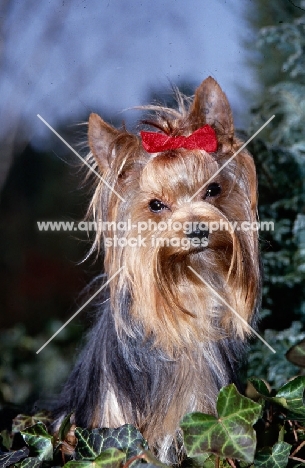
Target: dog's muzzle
198, 234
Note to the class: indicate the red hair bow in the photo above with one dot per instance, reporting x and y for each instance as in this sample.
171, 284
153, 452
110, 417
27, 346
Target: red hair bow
204, 138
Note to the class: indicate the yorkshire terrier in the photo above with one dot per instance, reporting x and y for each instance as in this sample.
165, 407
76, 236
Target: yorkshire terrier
166, 339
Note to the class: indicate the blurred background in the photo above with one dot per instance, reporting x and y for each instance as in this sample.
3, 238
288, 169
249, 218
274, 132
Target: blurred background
66, 59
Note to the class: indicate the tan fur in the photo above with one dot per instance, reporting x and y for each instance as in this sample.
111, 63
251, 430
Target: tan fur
174, 178
175, 310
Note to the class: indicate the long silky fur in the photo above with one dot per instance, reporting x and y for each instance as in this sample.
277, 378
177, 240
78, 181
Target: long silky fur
163, 344
137, 382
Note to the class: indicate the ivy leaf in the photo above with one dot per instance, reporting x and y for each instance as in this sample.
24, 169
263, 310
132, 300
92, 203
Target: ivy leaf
277, 457
290, 396
11, 458
110, 458
80, 464
231, 435
92, 442
293, 393
263, 391
260, 387
39, 441
30, 462
64, 427
22, 421
296, 354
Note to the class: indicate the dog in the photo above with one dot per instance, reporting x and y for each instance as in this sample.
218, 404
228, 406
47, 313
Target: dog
181, 296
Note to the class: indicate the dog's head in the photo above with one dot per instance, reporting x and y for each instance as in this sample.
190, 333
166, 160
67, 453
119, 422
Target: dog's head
180, 222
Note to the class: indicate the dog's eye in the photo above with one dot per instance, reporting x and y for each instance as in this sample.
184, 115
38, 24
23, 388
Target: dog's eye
157, 205
213, 190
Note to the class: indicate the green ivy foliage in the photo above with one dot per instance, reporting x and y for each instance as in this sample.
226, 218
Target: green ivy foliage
264, 429
279, 154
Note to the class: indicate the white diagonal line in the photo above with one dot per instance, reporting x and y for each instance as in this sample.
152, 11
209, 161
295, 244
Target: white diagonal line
231, 308
232, 157
79, 156
79, 310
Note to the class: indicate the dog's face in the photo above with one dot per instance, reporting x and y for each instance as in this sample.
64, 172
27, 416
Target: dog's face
185, 209
180, 192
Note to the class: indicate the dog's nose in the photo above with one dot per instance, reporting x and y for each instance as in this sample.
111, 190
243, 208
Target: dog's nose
198, 234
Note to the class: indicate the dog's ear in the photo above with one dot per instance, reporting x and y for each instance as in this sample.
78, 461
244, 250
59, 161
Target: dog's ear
211, 106
101, 135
